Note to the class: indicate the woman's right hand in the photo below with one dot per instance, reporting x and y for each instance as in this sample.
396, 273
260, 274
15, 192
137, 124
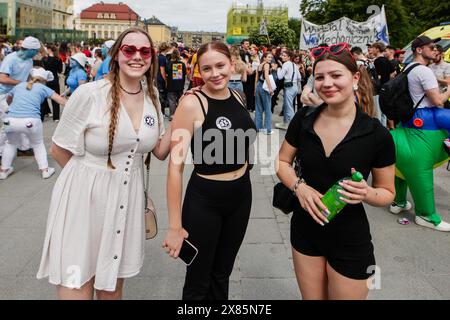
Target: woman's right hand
174, 240
191, 91
310, 200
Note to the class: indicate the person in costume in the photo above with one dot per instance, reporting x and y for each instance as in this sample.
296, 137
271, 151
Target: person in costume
419, 142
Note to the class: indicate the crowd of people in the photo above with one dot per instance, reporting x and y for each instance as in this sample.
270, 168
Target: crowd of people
118, 96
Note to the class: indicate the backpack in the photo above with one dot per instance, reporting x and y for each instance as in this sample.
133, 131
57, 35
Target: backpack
395, 100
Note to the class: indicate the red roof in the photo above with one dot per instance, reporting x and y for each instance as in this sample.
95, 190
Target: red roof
121, 10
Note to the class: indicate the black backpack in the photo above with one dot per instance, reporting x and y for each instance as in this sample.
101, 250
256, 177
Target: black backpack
395, 100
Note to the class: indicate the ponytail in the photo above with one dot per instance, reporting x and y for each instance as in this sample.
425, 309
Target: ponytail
365, 92
35, 80
30, 84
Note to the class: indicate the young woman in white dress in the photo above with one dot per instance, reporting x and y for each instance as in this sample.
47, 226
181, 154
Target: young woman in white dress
95, 231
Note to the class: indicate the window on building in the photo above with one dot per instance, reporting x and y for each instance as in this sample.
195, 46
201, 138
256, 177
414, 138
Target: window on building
99, 16
106, 16
244, 20
234, 20
252, 20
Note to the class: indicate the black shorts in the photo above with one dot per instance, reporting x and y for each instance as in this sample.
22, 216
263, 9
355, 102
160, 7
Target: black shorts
353, 259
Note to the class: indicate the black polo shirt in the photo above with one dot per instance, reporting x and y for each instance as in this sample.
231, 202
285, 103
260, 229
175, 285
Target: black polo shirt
367, 145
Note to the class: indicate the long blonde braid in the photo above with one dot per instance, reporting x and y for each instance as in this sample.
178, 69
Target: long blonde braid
114, 113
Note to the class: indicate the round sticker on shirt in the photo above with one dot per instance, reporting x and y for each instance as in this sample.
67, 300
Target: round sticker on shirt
150, 121
223, 123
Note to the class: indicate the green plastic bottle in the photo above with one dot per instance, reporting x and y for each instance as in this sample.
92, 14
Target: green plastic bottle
332, 200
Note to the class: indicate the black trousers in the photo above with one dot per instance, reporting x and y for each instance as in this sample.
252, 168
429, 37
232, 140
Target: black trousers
280, 86
215, 214
249, 91
162, 95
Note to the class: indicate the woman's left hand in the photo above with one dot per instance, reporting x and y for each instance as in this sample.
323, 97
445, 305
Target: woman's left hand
354, 192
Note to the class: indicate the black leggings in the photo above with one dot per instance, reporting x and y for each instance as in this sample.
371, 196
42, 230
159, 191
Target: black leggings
215, 214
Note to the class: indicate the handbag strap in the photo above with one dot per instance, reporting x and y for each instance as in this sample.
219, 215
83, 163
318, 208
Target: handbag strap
146, 179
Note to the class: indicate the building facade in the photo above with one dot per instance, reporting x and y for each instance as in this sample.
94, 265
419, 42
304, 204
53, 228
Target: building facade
159, 32
25, 14
241, 20
106, 20
194, 39
62, 17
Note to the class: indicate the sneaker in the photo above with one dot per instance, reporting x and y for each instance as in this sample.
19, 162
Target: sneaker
56, 120
396, 209
48, 173
262, 131
268, 132
447, 146
5, 174
443, 226
282, 125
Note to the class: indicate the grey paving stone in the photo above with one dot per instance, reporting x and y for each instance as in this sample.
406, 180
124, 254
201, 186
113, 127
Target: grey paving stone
25, 288
17, 247
405, 287
262, 231
265, 261
261, 209
270, 289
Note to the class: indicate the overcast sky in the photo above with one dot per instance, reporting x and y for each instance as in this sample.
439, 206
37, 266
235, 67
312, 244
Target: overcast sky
190, 15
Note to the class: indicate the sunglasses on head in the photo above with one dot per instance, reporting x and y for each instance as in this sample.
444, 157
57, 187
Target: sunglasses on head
334, 49
130, 51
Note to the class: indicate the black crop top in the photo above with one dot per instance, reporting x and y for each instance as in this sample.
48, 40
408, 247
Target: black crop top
224, 141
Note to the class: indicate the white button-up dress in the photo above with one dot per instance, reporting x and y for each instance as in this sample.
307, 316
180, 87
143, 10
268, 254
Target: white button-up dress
96, 218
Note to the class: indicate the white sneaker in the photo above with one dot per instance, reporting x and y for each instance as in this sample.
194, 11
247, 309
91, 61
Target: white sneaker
268, 132
443, 226
5, 174
396, 209
48, 173
282, 125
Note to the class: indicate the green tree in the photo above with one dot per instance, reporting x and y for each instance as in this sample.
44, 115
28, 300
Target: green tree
296, 25
313, 10
279, 33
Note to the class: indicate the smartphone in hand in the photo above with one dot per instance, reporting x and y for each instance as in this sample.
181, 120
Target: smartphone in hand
188, 252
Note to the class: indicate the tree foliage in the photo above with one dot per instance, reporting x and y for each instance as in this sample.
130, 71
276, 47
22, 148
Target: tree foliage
279, 33
406, 18
295, 24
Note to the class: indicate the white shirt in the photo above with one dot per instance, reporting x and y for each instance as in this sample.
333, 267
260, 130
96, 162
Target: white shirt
420, 79
289, 72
